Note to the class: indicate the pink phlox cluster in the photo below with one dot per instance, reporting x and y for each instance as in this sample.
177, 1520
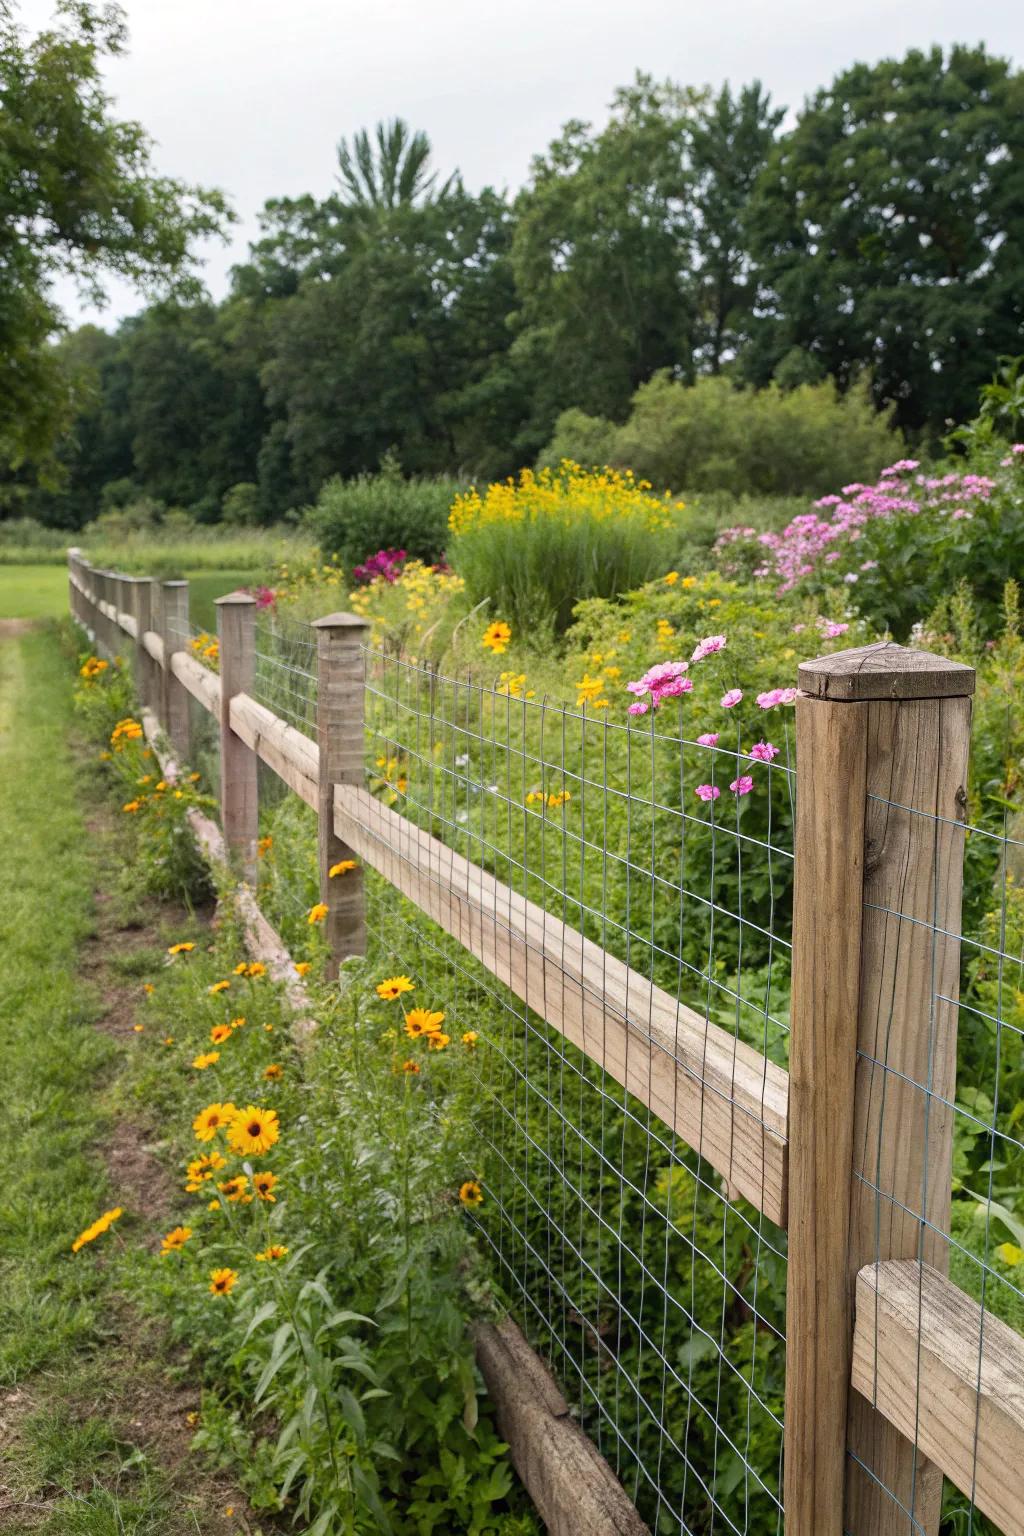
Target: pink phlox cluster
386, 563
665, 680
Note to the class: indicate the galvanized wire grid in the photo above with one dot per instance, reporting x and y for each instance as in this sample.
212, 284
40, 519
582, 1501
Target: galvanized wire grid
286, 670
658, 1299
976, 967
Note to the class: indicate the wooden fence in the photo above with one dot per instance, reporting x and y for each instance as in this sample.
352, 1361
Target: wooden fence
894, 1376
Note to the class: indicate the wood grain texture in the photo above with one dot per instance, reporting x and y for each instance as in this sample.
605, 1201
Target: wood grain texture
173, 611
723, 1097
572, 1486
917, 753
947, 1377
199, 681
827, 915
884, 670
291, 755
239, 793
341, 638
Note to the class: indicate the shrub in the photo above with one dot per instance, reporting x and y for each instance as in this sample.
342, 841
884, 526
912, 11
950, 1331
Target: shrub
537, 547
352, 518
711, 436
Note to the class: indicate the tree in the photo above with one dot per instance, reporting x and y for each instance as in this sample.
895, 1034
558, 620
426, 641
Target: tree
78, 196
889, 231
391, 170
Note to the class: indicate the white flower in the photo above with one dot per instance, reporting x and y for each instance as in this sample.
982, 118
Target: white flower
462, 761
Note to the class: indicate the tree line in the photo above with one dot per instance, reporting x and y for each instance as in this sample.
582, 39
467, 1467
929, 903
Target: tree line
881, 236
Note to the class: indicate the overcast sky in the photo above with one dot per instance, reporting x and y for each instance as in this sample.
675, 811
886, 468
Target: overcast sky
253, 95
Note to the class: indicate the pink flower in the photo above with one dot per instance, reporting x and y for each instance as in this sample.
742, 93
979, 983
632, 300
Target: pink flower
798, 629
830, 629
708, 646
730, 699
707, 791
709, 739
743, 785
663, 681
764, 752
639, 708
776, 696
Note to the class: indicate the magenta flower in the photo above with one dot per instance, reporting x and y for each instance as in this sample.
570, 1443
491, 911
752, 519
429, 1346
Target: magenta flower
708, 646
732, 698
663, 681
639, 708
743, 785
763, 752
707, 791
776, 696
830, 629
709, 739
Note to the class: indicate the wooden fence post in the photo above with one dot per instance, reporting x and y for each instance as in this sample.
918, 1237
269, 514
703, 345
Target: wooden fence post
139, 603
239, 796
173, 606
882, 742
339, 720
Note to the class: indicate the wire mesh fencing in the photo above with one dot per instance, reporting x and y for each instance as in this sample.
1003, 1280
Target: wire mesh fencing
656, 1293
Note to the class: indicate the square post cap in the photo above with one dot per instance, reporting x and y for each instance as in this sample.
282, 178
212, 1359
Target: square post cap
884, 670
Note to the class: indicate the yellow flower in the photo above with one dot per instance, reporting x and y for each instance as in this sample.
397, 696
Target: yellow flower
671, 578
421, 1021
238, 1023
273, 1251
218, 986
317, 913
99, 1226
256, 968
274, 1070
263, 1184
470, 1038
205, 1059
689, 581
167, 1040
148, 988
303, 967
342, 868
175, 1240
253, 1131
236, 1190
1010, 1253
138, 1028
437, 1040
181, 949
497, 636
410, 1066
264, 846
222, 1281
213, 1119
471, 1194
132, 806
202, 1168
394, 986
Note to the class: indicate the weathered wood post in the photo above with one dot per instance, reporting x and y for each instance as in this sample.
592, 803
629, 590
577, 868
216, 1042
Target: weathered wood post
339, 719
882, 743
173, 615
75, 599
239, 799
138, 601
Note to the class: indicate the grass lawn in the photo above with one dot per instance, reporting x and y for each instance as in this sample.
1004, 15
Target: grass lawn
41, 591
95, 1436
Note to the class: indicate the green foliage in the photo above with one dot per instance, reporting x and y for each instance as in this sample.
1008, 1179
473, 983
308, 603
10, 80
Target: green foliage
886, 231
84, 202
353, 519
713, 436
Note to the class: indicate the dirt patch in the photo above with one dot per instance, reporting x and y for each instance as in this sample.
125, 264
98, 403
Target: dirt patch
142, 1182
10, 629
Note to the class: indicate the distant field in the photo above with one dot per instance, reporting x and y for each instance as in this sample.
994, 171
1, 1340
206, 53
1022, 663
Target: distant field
41, 591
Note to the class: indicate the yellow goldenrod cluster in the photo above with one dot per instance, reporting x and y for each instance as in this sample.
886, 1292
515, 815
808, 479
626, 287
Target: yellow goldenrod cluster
513, 685
393, 780
590, 690
551, 802
99, 1226
399, 611
568, 493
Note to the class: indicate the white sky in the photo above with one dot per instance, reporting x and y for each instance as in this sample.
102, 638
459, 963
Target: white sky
253, 95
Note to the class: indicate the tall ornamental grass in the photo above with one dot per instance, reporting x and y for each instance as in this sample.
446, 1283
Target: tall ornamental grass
537, 546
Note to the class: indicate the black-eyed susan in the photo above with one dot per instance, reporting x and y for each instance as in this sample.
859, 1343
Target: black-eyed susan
238, 1023
471, 1194
213, 1119
410, 1066
253, 1131
236, 1190
317, 913
256, 968
185, 948
271, 1252
273, 1071
98, 1227
206, 1166
470, 1039
241, 968
218, 986
393, 986
343, 867
264, 1184
497, 636
205, 1059
223, 1281
219, 1033
175, 1240
422, 1021
438, 1040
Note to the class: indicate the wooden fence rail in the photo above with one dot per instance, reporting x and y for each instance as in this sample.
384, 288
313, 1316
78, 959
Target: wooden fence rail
894, 1376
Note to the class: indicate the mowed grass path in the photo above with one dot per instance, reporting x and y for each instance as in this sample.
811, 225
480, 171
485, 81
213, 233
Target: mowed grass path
76, 1457
41, 591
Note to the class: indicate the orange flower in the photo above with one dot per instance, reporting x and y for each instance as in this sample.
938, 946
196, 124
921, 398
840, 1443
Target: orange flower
393, 987
317, 913
303, 967
410, 1066
205, 1059
470, 1039
219, 1033
175, 1240
275, 1070
471, 1194
437, 1041
223, 1281
219, 986
263, 1184
342, 868
421, 1021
